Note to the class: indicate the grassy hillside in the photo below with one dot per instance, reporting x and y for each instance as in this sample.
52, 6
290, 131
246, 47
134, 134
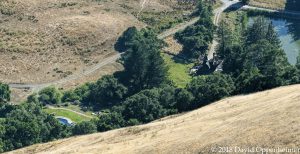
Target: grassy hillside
267, 119
277, 4
43, 41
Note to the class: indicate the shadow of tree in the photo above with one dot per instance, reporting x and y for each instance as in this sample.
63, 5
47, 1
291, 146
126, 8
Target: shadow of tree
294, 28
293, 5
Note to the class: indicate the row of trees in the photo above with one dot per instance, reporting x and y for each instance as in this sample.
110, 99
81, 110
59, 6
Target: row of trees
254, 58
27, 124
197, 38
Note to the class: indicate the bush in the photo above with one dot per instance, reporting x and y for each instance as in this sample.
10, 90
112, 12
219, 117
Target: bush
4, 92
27, 124
144, 106
106, 92
196, 38
85, 127
109, 121
209, 88
184, 100
50, 95
70, 96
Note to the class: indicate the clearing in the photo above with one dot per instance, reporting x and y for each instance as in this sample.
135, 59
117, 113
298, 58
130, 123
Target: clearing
268, 119
178, 70
68, 113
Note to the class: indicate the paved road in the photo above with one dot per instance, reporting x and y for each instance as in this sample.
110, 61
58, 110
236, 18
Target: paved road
218, 12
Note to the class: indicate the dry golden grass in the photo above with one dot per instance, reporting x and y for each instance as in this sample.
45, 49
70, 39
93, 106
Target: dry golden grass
267, 119
273, 4
46, 40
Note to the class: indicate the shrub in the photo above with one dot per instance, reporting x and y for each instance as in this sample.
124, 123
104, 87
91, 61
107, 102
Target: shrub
85, 127
4, 92
209, 88
50, 95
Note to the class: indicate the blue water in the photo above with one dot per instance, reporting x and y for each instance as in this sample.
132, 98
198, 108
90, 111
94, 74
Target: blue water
289, 35
290, 43
64, 121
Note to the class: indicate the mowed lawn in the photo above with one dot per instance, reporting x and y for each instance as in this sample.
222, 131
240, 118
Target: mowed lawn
178, 71
75, 117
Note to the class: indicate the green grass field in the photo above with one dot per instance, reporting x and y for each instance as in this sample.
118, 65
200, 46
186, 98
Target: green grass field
75, 117
178, 72
78, 109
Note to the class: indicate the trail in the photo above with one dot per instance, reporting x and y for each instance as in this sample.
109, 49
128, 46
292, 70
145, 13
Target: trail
142, 7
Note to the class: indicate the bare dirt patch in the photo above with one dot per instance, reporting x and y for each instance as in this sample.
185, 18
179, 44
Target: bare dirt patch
173, 47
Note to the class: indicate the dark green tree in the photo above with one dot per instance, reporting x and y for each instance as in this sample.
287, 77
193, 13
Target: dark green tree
106, 92
144, 106
70, 96
270, 60
109, 121
4, 93
196, 38
50, 95
125, 40
144, 66
250, 80
27, 124
209, 88
184, 100
85, 127
245, 1
225, 38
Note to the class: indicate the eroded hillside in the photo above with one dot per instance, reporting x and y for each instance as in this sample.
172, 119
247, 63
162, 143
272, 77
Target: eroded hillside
267, 119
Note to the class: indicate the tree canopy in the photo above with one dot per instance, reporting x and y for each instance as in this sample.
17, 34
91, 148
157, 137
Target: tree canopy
4, 93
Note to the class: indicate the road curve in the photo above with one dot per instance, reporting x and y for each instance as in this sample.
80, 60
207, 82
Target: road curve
218, 12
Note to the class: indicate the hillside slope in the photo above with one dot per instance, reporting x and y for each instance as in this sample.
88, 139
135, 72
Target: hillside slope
266, 119
43, 41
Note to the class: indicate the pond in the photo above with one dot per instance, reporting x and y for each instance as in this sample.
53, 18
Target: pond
65, 121
288, 31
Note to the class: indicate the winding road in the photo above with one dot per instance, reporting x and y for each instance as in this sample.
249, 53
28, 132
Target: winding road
169, 32
218, 12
